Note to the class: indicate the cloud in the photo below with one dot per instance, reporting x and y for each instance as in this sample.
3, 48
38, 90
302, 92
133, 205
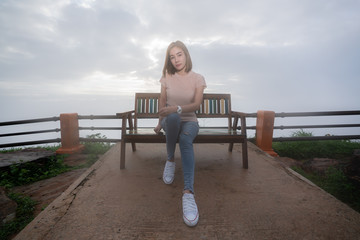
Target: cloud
268, 54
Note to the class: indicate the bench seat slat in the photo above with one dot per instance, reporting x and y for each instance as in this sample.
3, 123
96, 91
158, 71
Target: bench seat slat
206, 135
202, 131
198, 139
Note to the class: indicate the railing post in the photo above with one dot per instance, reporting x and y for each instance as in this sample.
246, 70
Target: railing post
264, 131
69, 125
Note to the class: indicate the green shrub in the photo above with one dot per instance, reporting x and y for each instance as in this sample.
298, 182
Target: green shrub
96, 147
24, 215
309, 149
45, 147
25, 173
335, 182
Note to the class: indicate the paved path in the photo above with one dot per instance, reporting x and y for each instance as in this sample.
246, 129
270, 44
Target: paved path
267, 201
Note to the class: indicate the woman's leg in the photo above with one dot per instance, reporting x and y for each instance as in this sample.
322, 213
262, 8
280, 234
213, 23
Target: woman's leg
189, 131
171, 125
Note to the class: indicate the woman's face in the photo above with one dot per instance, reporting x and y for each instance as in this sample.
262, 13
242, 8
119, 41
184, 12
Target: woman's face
178, 59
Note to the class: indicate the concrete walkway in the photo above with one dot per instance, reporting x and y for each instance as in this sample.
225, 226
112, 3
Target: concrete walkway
267, 201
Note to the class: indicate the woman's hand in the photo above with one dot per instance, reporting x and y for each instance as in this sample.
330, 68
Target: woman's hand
157, 128
163, 112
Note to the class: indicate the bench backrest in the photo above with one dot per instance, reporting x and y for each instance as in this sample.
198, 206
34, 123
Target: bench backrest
213, 106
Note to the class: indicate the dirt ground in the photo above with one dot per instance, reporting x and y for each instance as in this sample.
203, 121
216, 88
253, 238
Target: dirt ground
46, 191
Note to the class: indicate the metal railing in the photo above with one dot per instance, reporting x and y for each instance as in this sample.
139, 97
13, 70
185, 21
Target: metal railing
30, 121
99, 117
54, 130
249, 115
313, 114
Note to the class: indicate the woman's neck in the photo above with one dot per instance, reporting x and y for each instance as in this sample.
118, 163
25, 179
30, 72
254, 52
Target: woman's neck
182, 72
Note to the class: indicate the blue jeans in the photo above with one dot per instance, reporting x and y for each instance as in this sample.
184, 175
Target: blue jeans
185, 132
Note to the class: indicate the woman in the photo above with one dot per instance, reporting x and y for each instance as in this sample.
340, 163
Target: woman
181, 95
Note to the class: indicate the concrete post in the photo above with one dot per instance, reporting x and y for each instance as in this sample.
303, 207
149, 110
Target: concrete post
69, 126
264, 131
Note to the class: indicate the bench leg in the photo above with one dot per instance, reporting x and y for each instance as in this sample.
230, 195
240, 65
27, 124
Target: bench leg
245, 154
231, 145
122, 154
133, 146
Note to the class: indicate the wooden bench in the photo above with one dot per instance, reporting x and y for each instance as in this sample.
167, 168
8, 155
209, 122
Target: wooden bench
213, 106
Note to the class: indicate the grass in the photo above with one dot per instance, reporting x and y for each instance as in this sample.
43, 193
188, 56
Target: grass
96, 147
30, 172
334, 180
48, 148
300, 150
24, 215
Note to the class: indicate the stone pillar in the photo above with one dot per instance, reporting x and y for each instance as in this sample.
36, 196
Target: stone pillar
69, 126
264, 131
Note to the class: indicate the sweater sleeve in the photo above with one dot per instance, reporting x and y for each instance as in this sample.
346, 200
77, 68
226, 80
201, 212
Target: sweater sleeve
200, 82
163, 81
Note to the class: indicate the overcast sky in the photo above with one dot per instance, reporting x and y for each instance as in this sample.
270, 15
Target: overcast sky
90, 57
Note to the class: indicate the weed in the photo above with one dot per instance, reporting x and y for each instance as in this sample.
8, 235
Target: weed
15, 149
309, 149
334, 181
24, 215
25, 173
97, 147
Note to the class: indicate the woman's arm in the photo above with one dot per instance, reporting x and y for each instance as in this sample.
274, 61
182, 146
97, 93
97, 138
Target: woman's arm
162, 104
192, 107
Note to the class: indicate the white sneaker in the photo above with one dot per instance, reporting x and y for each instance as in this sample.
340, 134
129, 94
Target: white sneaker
190, 210
169, 172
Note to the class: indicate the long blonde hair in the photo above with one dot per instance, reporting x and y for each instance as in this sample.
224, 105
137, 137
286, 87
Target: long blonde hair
168, 67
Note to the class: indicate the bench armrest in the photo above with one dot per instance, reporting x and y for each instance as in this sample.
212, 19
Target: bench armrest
125, 114
242, 117
238, 114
